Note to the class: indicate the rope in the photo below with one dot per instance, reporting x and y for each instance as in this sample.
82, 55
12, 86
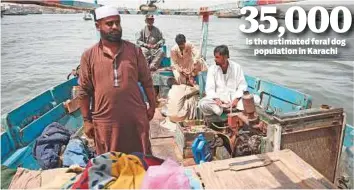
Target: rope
74, 72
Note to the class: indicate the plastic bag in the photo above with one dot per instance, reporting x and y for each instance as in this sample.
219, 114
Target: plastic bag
169, 175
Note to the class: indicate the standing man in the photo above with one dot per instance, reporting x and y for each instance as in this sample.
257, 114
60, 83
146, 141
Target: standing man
186, 61
110, 71
225, 84
151, 42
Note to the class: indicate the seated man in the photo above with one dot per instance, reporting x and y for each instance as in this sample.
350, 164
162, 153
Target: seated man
186, 61
225, 84
151, 42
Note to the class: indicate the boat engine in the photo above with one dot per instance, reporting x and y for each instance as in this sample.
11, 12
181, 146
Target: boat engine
242, 133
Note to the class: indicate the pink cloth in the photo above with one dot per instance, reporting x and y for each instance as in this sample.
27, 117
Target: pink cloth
169, 175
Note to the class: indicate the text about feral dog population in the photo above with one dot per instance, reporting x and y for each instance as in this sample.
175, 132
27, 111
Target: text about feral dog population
318, 20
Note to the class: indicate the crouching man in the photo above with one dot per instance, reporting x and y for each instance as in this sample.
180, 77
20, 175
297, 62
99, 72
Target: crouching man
225, 84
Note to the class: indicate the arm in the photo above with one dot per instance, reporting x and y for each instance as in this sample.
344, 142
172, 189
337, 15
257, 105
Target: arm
174, 63
145, 79
210, 87
240, 83
195, 53
161, 41
141, 39
84, 96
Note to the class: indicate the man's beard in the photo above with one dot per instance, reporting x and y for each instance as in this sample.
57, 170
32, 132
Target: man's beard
112, 36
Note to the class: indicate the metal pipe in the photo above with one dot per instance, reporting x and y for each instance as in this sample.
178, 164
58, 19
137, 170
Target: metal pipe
205, 30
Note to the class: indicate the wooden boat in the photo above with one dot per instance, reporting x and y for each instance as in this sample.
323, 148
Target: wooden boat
25, 123
319, 136
229, 14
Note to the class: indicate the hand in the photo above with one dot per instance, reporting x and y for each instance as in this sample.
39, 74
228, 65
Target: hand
151, 113
89, 129
154, 46
185, 72
191, 81
234, 103
218, 101
153, 68
150, 46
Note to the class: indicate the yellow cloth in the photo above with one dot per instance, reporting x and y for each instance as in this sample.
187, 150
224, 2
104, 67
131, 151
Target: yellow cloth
128, 171
111, 170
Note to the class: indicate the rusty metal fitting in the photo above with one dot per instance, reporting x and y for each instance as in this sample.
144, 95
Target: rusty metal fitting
248, 105
325, 107
234, 122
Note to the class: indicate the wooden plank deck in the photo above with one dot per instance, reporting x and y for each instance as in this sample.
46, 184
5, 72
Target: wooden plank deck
162, 140
282, 169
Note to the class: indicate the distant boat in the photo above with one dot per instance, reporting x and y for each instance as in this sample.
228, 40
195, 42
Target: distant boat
10, 13
229, 14
245, 3
87, 16
133, 12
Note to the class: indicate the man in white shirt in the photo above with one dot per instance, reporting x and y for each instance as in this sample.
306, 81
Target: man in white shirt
225, 84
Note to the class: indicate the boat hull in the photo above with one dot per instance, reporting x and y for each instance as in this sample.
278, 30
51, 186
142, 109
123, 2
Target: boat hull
230, 16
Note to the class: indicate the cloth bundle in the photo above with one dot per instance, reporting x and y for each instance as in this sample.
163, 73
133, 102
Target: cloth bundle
22, 178
182, 102
113, 170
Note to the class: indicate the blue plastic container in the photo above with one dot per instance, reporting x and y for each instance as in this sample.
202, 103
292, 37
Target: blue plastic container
201, 150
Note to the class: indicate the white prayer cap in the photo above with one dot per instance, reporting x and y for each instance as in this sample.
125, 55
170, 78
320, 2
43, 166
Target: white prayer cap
106, 11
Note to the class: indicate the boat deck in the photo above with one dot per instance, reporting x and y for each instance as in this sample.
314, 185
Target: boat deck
275, 170
163, 142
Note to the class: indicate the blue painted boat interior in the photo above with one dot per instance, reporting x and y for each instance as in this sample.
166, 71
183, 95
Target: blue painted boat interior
18, 138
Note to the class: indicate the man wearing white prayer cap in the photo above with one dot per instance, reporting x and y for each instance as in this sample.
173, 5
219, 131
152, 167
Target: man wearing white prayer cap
109, 75
105, 11
111, 13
